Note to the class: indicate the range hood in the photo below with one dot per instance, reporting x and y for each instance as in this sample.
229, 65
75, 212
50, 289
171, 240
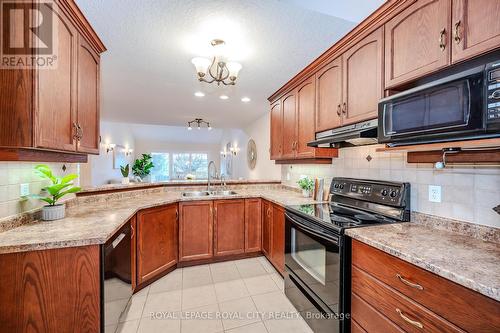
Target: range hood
364, 133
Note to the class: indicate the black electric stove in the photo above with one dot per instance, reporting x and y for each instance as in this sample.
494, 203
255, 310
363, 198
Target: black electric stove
318, 255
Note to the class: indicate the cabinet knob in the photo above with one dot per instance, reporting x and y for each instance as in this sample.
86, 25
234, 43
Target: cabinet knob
344, 108
442, 39
338, 110
456, 36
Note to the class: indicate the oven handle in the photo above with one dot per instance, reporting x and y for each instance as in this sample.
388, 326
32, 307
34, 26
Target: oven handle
296, 222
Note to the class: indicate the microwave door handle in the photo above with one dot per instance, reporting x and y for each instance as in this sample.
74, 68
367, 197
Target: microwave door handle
311, 231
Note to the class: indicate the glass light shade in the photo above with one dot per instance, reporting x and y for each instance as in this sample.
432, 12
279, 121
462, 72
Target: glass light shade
201, 64
233, 68
189, 128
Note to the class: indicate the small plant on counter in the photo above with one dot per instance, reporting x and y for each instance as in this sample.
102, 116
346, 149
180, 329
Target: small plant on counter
125, 170
142, 166
60, 186
307, 185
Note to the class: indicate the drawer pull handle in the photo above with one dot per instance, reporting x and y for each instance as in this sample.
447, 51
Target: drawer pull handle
408, 283
408, 320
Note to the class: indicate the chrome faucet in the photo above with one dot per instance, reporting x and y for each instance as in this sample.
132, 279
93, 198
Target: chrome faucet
211, 163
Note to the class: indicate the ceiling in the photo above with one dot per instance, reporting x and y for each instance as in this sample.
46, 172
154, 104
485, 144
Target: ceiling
147, 76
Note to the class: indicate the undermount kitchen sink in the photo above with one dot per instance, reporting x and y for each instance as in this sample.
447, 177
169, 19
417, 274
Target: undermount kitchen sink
207, 193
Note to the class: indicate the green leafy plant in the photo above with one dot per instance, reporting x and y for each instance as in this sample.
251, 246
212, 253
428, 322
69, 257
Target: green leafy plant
142, 166
306, 183
125, 170
60, 186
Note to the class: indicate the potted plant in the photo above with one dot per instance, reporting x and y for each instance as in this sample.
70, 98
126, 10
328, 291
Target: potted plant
142, 166
60, 186
307, 185
125, 170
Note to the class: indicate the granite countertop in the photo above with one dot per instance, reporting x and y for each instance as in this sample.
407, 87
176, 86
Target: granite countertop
95, 222
468, 261
179, 182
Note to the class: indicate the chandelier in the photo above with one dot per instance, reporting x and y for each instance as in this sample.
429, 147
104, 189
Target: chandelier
216, 69
198, 122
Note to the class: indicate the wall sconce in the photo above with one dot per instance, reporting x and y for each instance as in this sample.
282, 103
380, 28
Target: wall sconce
128, 151
234, 150
110, 147
223, 153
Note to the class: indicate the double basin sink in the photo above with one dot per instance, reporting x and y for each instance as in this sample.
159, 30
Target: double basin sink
208, 193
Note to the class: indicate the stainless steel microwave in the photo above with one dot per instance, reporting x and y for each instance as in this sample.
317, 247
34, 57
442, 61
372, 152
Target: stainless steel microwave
459, 107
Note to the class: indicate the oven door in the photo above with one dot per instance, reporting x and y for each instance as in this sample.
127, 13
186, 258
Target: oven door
312, 255
451, 107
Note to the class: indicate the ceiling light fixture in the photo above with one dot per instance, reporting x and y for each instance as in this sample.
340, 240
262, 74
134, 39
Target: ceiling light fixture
199, 94
199, 122
245, 99
223, 97
218, 68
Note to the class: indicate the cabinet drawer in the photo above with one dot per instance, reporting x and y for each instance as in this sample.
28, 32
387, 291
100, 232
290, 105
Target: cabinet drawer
369, 318
404, 312
463, 307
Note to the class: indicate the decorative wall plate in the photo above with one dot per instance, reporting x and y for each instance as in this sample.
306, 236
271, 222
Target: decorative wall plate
251, 154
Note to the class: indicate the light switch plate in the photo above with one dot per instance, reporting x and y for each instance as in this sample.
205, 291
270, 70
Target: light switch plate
434, 193
24, 190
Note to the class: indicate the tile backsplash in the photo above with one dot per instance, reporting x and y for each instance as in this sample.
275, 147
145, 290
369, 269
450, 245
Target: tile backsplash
13, 174
469, 193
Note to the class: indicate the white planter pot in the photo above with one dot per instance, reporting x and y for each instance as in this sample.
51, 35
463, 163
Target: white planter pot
51, 213
125, 180
146, 179
306, 193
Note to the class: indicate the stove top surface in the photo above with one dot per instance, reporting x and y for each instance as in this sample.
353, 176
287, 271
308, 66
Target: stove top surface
338, 216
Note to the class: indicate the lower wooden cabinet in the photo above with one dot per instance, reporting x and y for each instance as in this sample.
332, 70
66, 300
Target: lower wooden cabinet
253, 225
267, 222
392, 295
273, 234
55, 290
229, 227
156, 234
196, 230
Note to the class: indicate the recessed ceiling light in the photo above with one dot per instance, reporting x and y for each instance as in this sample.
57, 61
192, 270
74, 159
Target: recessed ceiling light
223, 97
199, 94
245, 99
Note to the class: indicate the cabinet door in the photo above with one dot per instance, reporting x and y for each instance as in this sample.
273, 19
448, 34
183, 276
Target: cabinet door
156, 241
305, 118
475, 27
253, 225
195, 230
363, 79
276, 131
229, 227
55, 92
133, 251
289, 126
329, 96
267, 221
88, 98
417, 41
278, 238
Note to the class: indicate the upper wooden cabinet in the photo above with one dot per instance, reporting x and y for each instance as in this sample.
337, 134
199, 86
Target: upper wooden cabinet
289, 125
157, 238
475, 27
229, 227
305, 118
276, 131
196, 230
417, 41
54, 112
329, 96
363, 86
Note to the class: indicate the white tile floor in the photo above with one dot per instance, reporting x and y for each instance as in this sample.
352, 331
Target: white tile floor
242, 296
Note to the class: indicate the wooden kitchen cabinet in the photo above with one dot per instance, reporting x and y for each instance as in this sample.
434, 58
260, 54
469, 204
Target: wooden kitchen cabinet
383, 284
267, 222
417, 41
253, 225
196, 230
289, 126
157, 239
276, 131
229, 227
278, 238
52, 114
329, 96
305, 118
363, 79
475, 28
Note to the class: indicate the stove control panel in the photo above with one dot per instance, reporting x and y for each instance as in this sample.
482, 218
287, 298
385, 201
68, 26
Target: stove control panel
387, 193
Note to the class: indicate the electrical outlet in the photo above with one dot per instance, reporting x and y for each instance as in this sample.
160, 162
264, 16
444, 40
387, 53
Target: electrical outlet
24, 190
434, 193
